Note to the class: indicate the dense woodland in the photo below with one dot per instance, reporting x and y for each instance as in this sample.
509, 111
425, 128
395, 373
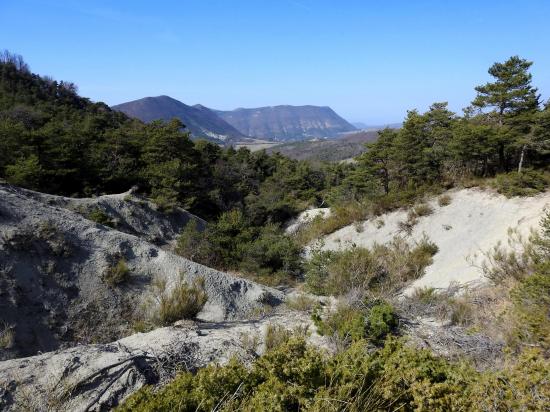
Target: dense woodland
52, 140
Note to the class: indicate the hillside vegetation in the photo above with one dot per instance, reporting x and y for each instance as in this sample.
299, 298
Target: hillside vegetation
488, 347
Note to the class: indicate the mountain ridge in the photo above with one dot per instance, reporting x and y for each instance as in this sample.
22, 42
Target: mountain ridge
287, 122
198, 119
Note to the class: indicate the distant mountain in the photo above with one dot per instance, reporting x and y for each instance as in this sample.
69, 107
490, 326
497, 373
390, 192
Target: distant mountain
330, 150
199, 120
285, 123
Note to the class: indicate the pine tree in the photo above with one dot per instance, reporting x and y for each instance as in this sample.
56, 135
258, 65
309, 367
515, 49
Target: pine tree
513, 99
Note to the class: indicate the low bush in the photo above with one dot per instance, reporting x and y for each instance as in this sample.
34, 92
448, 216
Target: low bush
99, 216
296, 377
527, 183
381, 321
383, 269
424, 295
348, 323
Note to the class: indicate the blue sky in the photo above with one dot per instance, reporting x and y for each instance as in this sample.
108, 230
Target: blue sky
369, 60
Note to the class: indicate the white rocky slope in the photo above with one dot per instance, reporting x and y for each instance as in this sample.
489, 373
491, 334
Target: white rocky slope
474, 222
54, 264
127, 212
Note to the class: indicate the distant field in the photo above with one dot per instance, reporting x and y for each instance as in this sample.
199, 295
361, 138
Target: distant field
256, 145
329, 150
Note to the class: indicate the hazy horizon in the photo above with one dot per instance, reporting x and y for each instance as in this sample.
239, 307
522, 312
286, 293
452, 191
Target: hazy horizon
369, 62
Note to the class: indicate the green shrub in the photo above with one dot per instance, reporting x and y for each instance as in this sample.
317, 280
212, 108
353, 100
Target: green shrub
527, 183
264, 253
531, 310
182, 301
346, 322
272, 255
191, 242
117, 273
372, 322
381, 321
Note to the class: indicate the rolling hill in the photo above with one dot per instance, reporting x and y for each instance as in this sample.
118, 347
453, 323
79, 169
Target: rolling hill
331, 150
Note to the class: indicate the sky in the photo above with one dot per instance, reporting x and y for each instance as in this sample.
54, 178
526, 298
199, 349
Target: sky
370, 61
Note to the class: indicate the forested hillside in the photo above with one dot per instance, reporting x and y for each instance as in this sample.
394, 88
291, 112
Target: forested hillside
55, 141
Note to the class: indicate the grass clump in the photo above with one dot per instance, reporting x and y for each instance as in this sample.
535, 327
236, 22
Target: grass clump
7, 335
278, 335
424, 295
117, 273
181, 301
423, 209
444, 200
301, 302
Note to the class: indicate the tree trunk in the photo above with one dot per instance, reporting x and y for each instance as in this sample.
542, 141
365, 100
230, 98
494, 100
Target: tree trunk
520, 165
501, 157
386, 179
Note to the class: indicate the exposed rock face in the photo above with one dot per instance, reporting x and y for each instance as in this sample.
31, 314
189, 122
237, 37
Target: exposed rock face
126, 212
287, 122
199, 120
54, 263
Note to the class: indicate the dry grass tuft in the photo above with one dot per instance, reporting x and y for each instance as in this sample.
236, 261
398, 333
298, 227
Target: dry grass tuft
181, 301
